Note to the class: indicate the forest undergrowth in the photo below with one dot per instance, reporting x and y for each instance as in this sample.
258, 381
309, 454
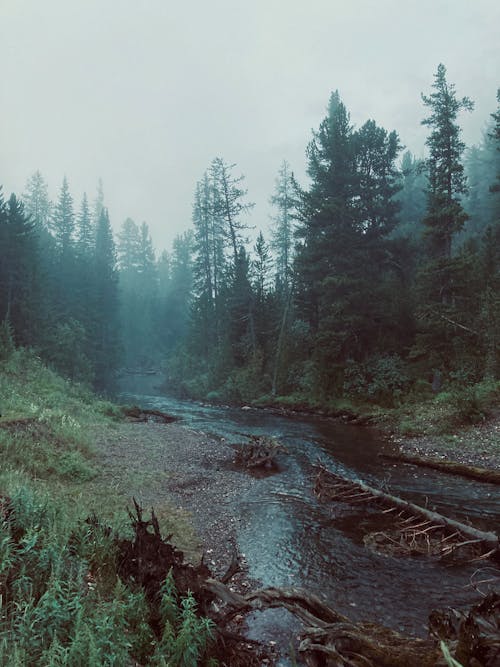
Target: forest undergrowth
62, 601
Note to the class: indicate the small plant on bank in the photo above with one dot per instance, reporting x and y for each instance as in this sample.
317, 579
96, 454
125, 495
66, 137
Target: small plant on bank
62, 602
185, 636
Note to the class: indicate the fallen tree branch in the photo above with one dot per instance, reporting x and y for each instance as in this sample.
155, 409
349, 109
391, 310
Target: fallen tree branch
472, 472
306, 606
260, 452
332, 486
450, 321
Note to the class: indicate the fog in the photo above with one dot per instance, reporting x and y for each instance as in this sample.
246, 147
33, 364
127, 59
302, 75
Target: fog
145, 94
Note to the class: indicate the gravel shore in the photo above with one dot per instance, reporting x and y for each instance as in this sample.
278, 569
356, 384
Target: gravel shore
183, 474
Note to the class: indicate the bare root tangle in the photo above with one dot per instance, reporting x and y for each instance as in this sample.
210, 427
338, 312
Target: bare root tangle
328, 638
474, 636
148, 558
261, 452
415, 529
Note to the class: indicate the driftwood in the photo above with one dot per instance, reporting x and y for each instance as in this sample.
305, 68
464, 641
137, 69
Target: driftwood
260, 452
474, 636
329, 637
136, 414
417, 529
472, 472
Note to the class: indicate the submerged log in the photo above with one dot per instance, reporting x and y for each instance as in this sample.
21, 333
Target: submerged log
450, 467
419, 520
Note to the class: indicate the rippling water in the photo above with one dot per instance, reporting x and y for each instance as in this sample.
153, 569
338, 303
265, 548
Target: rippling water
291, 539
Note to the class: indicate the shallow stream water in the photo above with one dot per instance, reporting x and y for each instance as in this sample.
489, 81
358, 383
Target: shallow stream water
289, 538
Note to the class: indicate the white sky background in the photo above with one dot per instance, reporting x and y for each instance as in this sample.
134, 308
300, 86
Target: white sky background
145, 93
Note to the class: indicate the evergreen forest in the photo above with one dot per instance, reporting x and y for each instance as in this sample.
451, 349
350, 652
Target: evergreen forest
377, 281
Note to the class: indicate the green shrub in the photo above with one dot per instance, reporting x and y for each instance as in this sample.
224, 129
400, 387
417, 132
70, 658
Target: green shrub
7, 346
62, 602
185, 636
383, 379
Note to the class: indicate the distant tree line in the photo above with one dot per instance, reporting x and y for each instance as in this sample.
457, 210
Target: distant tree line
380, 277
89, 304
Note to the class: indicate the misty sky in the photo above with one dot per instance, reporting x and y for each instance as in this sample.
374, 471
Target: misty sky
145, 93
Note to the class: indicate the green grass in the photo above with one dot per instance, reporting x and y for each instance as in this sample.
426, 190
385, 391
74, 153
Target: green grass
447, 411
61, 600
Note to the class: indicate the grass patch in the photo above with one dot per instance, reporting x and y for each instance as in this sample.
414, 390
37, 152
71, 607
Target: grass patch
444, 413
61, 600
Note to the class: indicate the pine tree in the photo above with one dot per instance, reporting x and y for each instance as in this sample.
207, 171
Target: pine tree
106, 339
445, 280
445, 214
265, 304
376, 153
36, 201
228, 204
98, 203
85, 242
240, 311
495, 136
412, 198
346, 217
128, 249
285, 201
490, 312
63, 220
62, 273
177, 305
19, 287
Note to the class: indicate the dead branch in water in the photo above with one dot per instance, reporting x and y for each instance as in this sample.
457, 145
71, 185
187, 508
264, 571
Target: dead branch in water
329, 635
416, 529
450, 467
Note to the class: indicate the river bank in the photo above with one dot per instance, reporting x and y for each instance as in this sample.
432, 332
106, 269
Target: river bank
80, 456
460, 424
187, 476
474, 445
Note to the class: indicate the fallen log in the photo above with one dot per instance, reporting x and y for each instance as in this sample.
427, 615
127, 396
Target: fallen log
450, 467
332, 486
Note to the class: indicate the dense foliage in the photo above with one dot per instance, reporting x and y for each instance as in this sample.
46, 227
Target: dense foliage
379, 279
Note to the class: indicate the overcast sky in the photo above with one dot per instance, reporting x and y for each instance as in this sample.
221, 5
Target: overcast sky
145, 93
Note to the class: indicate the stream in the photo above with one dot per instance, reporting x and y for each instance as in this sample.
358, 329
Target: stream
290, 539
